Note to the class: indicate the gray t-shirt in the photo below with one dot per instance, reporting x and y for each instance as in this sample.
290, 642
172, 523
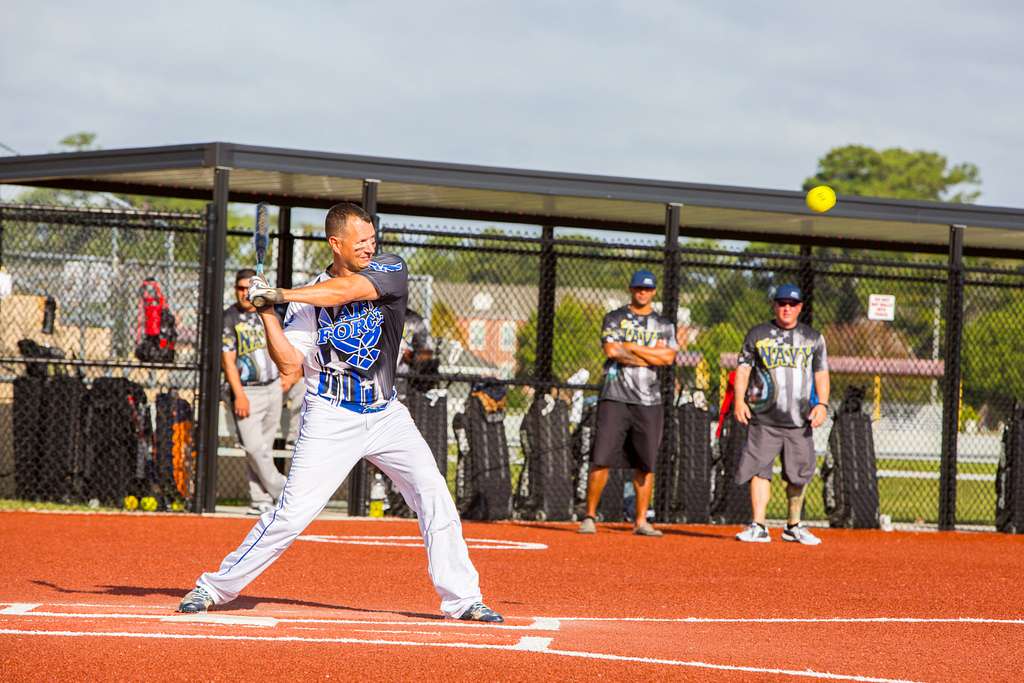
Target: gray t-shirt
627, 383
791, 357
350, 352
244, 334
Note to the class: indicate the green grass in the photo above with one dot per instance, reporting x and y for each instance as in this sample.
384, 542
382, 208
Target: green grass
15, 504
905, 499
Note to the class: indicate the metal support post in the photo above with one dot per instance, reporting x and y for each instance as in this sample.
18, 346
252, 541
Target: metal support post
370, 187
807, 283
951, 387
546, 309
285, 246
358, 485
669, 451
213, 320
670, 290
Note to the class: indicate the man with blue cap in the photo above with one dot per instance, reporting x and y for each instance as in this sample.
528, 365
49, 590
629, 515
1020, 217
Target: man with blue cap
630, 415
782, 389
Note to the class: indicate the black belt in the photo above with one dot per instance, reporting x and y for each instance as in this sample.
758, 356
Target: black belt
260, 384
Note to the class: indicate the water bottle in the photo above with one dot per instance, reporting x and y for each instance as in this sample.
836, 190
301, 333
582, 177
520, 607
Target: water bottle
628, 501
377, 496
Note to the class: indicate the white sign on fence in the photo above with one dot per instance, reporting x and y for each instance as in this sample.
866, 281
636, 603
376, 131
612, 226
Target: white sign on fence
881, 307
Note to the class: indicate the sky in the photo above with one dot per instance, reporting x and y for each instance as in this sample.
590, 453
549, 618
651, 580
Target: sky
742, 93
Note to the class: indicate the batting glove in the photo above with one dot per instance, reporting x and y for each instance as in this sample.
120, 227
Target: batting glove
261, 294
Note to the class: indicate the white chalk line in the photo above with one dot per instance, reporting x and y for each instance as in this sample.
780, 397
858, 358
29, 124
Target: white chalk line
803, 620
417, 542
537, 623
527, 643
542, 624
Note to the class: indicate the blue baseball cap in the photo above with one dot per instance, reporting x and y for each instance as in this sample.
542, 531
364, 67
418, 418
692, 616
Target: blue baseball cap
789, 293
643, 278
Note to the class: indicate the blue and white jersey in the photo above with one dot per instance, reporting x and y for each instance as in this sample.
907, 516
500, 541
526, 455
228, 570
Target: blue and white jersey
351, 352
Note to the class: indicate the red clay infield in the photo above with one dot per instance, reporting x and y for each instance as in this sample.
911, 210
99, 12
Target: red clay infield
92, 597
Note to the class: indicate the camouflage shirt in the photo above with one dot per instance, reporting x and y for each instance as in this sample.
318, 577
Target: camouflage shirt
791, 358
627, 383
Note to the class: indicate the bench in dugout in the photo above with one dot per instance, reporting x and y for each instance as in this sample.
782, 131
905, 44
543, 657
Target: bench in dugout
545, 488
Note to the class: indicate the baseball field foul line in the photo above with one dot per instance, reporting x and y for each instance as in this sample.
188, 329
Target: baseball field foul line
802, 620
526, 644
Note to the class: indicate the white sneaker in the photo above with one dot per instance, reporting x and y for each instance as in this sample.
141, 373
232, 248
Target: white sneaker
755, 533
259, 508
800, 534
587, 526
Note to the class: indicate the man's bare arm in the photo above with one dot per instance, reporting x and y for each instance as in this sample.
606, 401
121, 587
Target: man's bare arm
285, 356
823, 387
653, 355
740, 408
334, 292
617, 352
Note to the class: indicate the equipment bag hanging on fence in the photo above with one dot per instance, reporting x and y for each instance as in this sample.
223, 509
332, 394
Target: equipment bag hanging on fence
157, 333
544, 491
1010, 476
849, 474
730, 503
609, 509
175, 452
683, 491
119, 439
49, 417
483, 488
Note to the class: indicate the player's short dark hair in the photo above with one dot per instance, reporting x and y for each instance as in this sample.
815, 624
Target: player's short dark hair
244, 274
338, 215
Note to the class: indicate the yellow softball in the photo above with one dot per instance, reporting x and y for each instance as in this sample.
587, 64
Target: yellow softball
131, 503
148, 504
821, 198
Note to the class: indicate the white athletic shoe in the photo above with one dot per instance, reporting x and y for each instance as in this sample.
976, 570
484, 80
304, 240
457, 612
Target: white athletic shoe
755, 533
587, 526
800, 534
195, 601
259, 508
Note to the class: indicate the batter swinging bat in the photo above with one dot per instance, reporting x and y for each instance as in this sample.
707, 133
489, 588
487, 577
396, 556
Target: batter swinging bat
259, 241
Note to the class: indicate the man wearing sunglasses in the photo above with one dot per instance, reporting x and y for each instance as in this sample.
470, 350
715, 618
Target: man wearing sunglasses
791, 358
253, 394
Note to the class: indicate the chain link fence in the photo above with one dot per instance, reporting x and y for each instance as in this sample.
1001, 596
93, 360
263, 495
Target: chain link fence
515, 318
99, 356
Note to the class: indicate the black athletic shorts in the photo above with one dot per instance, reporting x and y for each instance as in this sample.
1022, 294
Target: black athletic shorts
627, 435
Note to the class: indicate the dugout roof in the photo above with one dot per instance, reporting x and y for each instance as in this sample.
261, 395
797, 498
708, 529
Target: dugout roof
289, 177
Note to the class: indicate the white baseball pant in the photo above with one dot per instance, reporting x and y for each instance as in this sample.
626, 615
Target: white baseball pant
331, 441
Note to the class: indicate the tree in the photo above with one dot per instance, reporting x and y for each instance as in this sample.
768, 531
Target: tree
993, 361
577, 342
81, 141
724, 337
895, 172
